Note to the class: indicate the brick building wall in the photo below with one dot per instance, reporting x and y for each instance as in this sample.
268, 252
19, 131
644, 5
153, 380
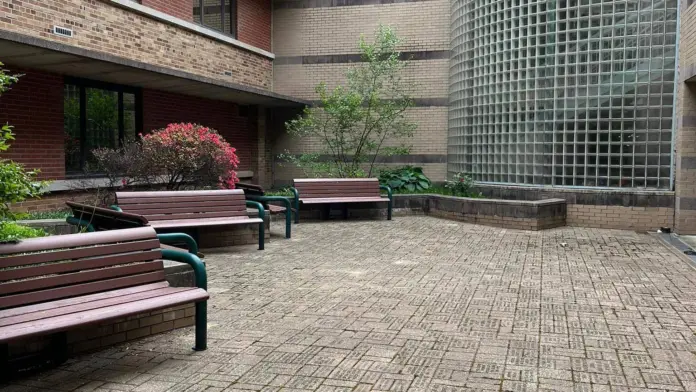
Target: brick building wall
182, 9
254, 20
685, 179
317, 42
103, 27
162, 108
34, 106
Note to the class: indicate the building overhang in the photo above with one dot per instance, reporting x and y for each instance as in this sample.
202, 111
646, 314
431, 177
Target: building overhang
55, 57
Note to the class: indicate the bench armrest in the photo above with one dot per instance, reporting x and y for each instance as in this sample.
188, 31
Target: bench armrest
388, 189
115, 208
297, 203
200, 276
177, 238
288, 206
262, 225
80, 223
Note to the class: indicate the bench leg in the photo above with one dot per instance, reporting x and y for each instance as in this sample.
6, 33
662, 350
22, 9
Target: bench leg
262, 235
59, 347
4, 362
288, 223
201, 326
389, 210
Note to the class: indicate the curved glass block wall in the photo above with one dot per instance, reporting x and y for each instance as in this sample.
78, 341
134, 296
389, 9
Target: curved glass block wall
564, 93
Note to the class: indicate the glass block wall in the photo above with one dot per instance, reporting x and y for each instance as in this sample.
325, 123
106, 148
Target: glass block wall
564, 93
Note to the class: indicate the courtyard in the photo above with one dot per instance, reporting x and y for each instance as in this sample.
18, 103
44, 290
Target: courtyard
422, 304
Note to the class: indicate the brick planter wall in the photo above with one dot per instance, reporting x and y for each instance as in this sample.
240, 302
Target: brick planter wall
514, 214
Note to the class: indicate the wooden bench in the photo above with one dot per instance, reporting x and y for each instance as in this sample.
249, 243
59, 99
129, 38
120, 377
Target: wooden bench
340, 191
256, 193
91, 218
53, 284
192, 209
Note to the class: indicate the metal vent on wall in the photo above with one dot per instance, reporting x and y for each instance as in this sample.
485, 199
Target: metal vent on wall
65, 32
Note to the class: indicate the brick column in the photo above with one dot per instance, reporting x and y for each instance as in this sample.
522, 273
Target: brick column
262, 176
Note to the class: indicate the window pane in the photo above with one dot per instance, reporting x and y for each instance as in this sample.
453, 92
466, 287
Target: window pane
102, 120
197, 11
211, 14
71, 113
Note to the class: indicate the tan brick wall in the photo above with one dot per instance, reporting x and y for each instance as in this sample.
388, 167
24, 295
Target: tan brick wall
100, 26
319, 31
685, 177
615, 217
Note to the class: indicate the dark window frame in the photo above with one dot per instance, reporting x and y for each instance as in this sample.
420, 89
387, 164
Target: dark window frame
198, 19
83, 85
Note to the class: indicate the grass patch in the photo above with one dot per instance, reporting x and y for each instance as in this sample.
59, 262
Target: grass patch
37, 215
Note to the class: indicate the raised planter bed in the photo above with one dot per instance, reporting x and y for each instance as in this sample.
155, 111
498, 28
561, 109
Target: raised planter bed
513, 214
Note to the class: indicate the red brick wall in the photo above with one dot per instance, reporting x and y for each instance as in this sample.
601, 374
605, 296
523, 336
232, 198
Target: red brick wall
180, 8
254, 23
34, 107
161, 108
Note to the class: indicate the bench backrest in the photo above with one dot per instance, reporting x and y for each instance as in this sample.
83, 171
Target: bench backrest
63, 266
251, 189
106, 218
176, 205
319, 188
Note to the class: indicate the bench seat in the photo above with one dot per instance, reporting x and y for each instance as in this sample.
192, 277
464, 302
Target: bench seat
61, 315
185, 223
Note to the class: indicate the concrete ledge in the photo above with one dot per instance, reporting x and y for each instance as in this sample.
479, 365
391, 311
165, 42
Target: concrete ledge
514, 214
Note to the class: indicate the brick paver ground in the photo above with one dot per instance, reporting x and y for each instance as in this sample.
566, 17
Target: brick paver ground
423, 304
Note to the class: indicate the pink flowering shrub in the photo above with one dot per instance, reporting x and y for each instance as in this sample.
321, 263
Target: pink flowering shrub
179, 156
191, 154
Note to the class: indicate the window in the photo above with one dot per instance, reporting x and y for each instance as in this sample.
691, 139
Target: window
220, 15
97, 115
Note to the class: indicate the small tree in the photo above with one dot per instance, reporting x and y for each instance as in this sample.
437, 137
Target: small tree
16, 183
354, 121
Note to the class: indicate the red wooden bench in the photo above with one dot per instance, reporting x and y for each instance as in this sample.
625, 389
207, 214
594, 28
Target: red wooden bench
53, 284
257, 193
340, 191
192, 209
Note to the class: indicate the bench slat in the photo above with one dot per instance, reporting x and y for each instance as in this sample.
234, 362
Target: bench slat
196, 194
234, 215
76, 240
117, 297
83, 264
332, 193
64, 322
81, 289
123, 200
70, 254
79, 277
344, 200
81, 299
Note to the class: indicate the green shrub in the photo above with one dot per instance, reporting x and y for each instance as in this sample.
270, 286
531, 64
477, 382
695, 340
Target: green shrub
13, 232
462, 185
407, 178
